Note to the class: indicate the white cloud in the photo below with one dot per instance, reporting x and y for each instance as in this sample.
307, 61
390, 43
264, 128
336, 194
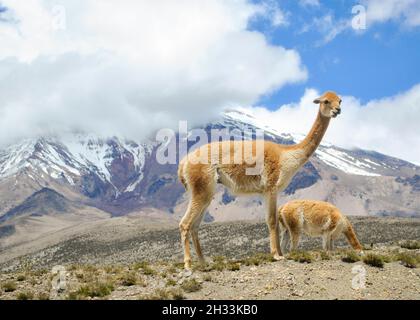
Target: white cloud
271, 10
407, 11
388, 125
330, 27
128, 67
279, 18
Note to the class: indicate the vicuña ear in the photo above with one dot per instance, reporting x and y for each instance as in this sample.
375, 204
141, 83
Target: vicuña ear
317, 101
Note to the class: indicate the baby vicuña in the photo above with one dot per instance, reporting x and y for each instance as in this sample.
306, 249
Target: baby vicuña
314, 218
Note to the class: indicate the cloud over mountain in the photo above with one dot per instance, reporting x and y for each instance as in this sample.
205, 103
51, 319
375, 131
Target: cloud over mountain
129, 67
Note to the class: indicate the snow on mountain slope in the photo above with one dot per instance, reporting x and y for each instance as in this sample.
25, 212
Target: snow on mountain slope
71, 157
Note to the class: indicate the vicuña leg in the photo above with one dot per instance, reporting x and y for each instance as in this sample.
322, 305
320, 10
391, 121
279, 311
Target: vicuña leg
285, 240
194, 210
273, 225
331, 244
202, 191
295, 237
326, 241
194, 234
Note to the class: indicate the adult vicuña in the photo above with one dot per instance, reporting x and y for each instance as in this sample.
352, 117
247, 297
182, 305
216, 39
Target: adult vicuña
315, 218
280, 163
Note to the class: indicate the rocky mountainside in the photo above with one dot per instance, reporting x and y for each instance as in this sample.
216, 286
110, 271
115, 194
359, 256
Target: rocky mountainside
118, 176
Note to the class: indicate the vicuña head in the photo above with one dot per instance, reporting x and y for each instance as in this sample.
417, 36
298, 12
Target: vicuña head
329, 104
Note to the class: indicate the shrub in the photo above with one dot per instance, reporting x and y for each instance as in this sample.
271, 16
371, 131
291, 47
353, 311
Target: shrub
177, 294
43, 296
350, 257
233, 266
9, 286
128, 279
207, 267
172, 269
410, 244
170, 282
374, 260
409, 260
113, 269
325, 255
257, 259
207, 278
218, 264
145, 267
191, 285
300, 256
163, 294
96, 289
25, 295
21, 277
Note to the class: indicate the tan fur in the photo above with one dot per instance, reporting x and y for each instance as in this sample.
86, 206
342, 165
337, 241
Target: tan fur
281, 162
314, 218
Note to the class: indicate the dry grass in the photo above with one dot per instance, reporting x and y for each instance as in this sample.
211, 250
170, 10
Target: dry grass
163, 294
21, 277
257, 259
25, 295
409, 260
350, 256
43, 296
410, 244
233, 266
170, 282
128, 279
300, 256
324, 255
191, 285
207, 278
95, 289
374, 260
145, 267
9, 286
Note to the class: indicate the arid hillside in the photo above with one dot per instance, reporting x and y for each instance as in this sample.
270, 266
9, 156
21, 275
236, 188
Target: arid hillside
126, 261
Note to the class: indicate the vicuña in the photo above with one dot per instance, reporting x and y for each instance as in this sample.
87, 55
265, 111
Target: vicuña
314, 218
280, 163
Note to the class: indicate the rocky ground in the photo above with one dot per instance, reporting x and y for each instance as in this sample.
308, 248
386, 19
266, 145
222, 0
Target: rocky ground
148, 266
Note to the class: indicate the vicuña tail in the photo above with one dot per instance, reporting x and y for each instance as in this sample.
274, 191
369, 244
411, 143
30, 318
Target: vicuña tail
281, 218
351, 237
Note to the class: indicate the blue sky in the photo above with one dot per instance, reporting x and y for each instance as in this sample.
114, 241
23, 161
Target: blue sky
381, 61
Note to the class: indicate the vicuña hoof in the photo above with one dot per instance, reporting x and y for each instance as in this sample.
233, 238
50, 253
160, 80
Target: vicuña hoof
278, 257
187, 273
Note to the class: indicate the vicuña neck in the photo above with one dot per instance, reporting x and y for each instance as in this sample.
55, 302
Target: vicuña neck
314, 137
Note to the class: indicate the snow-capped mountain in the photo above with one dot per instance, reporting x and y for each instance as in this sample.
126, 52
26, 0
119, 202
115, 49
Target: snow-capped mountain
121, 176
